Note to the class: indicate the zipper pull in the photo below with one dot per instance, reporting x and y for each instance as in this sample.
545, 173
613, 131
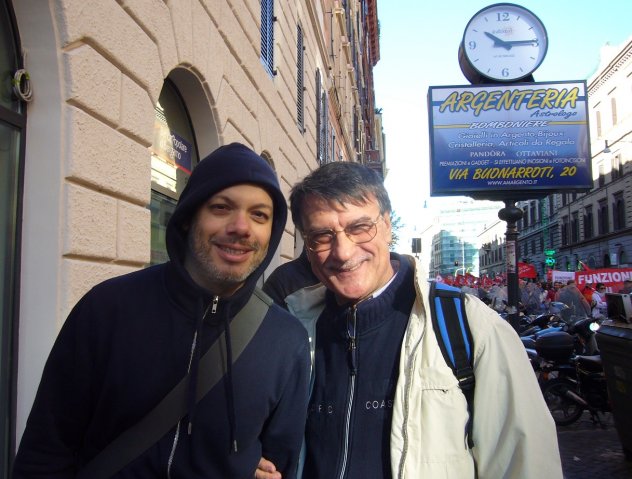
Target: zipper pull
353, 356
353, 351
214, 305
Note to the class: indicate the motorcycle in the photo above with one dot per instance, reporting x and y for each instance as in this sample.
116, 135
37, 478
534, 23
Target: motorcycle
568, 396
559, 318
572, 383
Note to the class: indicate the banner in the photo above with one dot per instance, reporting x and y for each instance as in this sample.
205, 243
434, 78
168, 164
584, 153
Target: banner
562, 276
613, 278
491, 140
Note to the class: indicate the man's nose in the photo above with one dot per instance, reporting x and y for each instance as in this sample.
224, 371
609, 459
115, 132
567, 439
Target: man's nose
342, 247
239, 224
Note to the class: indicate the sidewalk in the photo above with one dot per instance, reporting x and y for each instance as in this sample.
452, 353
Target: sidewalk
589, 451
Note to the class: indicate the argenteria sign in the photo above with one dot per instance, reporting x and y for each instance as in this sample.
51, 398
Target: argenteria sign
495, 141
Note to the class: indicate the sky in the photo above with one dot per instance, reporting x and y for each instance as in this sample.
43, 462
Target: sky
419, 43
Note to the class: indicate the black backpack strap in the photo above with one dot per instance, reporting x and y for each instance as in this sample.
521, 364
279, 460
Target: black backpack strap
447, 309
173, 407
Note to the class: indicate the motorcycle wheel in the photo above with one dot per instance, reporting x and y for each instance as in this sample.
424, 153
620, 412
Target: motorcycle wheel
564, 410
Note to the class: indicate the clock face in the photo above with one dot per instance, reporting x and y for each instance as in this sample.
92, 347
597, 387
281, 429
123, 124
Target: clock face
505, 42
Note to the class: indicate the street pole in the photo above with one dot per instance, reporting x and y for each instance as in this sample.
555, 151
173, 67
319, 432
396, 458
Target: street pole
511, 214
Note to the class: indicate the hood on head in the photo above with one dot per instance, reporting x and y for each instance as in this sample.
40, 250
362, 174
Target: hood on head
227, 166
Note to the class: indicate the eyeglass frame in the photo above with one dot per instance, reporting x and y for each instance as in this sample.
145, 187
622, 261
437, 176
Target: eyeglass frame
334, 234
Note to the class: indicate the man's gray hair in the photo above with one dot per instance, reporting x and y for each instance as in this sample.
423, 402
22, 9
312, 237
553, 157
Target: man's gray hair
339, 182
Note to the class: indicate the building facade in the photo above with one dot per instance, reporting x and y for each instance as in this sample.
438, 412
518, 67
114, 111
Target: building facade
455, 235
591, 229
110, 105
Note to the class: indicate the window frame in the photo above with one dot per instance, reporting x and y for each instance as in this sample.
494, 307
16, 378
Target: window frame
13, 116
267, 36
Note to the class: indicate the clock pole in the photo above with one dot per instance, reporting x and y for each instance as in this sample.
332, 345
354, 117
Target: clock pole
490, 54
512, 214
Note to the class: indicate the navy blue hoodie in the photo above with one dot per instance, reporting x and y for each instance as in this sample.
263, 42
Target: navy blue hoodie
129, 340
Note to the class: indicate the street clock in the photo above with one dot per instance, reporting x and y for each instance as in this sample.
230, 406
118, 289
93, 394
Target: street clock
503, 42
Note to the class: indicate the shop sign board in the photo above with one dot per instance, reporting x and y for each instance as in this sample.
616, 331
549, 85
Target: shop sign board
509, 141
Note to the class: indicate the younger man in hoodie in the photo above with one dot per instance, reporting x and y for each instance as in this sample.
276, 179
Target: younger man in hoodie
131, 339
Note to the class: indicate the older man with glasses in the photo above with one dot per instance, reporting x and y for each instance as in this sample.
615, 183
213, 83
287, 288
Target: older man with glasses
384, 403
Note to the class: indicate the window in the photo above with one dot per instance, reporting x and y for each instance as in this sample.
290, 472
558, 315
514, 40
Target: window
300, 80
618, 212
602, 217
319, 136
575, 227
617, 167
588, 222
267, 35
322, 122
613, 107
532, 214
12, 141
564, 229
602, 175
598, 122
173, 156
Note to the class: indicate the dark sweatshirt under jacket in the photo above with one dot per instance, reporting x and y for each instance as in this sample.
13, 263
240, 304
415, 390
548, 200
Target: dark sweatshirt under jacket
350, 411
289, 278
128, 342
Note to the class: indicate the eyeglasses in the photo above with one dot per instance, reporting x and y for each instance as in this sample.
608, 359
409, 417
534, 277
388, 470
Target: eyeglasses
361, 232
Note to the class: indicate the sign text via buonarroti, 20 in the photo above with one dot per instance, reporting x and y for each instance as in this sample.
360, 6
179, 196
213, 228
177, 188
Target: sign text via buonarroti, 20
494, 138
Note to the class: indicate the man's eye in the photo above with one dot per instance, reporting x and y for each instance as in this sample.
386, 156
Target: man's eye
358, 228
322, 237
260, 216
218, 207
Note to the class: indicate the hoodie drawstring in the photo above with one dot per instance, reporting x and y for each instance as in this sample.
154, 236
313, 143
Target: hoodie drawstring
194, 368
231, 392
195, 362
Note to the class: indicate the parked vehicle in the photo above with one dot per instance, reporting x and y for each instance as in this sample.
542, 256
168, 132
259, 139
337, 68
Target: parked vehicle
571, 383
567, 397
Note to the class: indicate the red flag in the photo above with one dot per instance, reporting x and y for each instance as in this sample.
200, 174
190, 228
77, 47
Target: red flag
585, 267
526, 270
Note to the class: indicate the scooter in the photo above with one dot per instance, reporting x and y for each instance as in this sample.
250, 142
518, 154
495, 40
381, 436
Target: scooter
567, 397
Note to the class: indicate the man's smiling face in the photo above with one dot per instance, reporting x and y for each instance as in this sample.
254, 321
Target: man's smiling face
228, 238
352, 271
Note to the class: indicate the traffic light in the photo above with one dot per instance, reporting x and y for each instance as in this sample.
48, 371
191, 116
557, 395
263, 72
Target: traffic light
549, 259
416, 246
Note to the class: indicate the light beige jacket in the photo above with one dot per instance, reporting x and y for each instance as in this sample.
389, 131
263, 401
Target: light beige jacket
514, 434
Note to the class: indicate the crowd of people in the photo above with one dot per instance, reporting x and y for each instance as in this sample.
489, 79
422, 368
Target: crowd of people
537, 296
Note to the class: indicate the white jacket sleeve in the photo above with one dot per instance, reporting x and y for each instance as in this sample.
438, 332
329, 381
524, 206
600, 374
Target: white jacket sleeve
514, 433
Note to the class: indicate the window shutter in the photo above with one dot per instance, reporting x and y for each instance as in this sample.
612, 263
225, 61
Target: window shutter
300, 81
267, 35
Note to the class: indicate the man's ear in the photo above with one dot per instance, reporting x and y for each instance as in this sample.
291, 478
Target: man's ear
389, 226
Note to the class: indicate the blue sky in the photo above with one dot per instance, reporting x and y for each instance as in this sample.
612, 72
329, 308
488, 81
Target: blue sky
419, 43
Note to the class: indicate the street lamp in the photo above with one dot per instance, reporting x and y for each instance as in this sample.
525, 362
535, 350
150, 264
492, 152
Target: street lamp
607, 151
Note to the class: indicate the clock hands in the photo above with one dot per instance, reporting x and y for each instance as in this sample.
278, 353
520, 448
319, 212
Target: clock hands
498, 42
507, 44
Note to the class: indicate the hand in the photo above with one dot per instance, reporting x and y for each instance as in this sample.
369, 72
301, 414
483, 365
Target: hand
507, 44
498, 42
512, 43
266, 470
